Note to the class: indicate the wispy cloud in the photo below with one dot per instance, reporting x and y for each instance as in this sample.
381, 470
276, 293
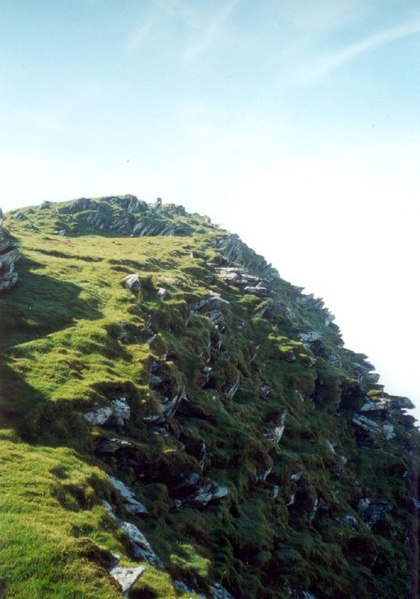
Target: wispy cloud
34, 117
136, 39
210, 31
347, 54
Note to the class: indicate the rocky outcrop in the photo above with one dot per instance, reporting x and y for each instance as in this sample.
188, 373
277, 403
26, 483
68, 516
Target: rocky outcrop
130, 502
126, 577
9, 255
115, 415
132, 282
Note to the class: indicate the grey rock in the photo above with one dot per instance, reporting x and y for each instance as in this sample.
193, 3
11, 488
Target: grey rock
130, 502
211, 303
126, 577
262, 477
309, 337
162, 293
366, 424
112, 445
265, 390
116, 415
120, 410
133, 283
276, 434
219, 592
234, 388
330, 445
207, 492
140, 546
259, 291
185, 589
99, 417
373, 512
9, 255
349, 520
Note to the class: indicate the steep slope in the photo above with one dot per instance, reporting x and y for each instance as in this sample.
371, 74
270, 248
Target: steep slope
178, 421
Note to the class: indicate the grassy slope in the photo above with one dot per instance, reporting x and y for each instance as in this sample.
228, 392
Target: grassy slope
71, 335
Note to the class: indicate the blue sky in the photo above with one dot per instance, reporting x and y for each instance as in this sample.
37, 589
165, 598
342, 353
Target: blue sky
294, 123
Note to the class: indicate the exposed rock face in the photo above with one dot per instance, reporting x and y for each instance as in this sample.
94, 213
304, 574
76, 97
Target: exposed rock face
131, 504
115, 415
126, 577
9, 255
133, 283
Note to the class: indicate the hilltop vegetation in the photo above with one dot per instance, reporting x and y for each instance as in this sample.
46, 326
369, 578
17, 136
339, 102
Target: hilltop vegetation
178, 421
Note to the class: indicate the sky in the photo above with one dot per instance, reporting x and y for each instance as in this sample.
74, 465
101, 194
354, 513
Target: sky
294, 123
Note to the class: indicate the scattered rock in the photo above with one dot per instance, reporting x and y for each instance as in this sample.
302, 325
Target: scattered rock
130, 502
126, 577
117, 415
133, 283
140, 546
9, 255
219, 592
373, 512
99, 416
162, 293
185, 589
205, 493
112, 445
278, 431
330, 445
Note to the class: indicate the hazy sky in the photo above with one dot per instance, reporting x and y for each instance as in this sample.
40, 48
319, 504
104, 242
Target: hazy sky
294, 123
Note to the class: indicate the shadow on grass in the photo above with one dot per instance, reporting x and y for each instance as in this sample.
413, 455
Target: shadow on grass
40, 305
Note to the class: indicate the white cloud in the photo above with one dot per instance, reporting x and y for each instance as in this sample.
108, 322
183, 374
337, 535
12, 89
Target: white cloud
345, 55
210, 31
138, 36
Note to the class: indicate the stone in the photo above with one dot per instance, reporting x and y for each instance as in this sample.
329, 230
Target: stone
112, 445
211, 304
234, 388
263, 476
278, 431
120, 410
162, 293
117, 415
330, 445
373, 512
219, 592
206, 493
265, 390
366, 424
258, 290
349, 520
130, 502
185, 590
99, 416
9, 255
132, 283
126, 577
140, 546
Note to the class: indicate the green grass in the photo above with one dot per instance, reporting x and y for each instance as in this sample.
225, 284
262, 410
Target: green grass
72, 337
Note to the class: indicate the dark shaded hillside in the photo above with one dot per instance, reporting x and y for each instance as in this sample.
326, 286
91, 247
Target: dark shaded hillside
178, 421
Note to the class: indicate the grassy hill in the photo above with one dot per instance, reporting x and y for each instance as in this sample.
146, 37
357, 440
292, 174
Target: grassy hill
211, 409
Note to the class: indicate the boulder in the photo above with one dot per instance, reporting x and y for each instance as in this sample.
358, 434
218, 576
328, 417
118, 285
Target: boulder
130, 502
126, 577
132, 283
276, 434
115, 415
140, 546
9, 255
219, 592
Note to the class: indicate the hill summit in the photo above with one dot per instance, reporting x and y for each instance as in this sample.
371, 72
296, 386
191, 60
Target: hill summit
179, 421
